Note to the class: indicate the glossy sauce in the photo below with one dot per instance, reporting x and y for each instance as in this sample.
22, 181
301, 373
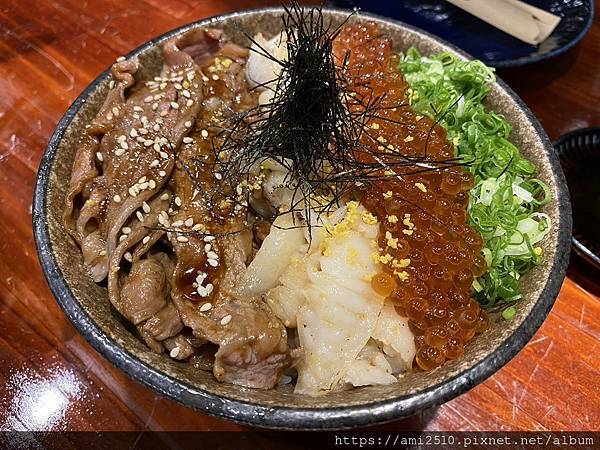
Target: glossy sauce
225, 92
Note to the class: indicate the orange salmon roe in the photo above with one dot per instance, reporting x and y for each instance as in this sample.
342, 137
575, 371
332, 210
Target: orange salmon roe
433, 253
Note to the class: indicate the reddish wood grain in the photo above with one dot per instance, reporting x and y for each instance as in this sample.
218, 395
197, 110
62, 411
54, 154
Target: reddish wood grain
49, 51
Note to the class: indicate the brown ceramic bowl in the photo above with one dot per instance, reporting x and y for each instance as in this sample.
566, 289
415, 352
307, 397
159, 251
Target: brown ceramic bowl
87, 306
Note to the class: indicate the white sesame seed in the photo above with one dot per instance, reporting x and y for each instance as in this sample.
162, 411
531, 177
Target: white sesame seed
178, 223
154, 106
164, 155
117, 198
133, 132
215, 76
189, 103
186, 94
143, 131
163, 113
148, 143
128, 256
143, 186
122, 238
120, 58
126, 230
111, 84
191, 75
177, 86
115, 111
213, 262
142, 179
140, 216
206, 307
212, 255
207, 248
209, 238
204, 133
121, 138
151, 184
218, 176
165, 196
174, 105
189, 222
162, 173
225, 320
187, 140
148, 99
132, 191
109, 116
156, 127
159, 120
182, 239
154, 163
119, 152
146, 240
138, 109
124, 145
177, 201
140, 139
197, 227
174, 352
201, 290
209, 288
99, 156
146, 207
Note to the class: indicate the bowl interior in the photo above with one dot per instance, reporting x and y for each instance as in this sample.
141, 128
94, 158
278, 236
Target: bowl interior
91, 300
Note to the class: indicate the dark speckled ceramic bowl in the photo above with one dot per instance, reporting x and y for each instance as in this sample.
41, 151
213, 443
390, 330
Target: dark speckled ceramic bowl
87, 306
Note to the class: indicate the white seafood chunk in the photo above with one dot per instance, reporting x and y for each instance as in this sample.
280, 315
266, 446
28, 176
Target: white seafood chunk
263, 273
348, 337
341, 308
334, 325
371, 367
262, 71
286, 299
398, 342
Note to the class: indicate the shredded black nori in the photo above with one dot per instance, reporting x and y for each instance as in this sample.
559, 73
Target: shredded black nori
313, 127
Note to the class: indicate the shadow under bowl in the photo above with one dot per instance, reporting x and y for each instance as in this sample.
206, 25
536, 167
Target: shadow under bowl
87, 306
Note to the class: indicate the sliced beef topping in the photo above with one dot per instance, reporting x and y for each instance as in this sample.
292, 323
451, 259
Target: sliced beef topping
144, 206
252, 342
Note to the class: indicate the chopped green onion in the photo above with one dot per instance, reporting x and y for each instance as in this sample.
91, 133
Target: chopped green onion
509, 313
504, 202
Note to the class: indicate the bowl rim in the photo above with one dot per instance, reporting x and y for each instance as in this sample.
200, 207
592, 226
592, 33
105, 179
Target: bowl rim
291, 417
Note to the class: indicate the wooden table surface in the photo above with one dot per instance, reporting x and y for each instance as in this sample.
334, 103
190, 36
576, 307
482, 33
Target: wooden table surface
53, 380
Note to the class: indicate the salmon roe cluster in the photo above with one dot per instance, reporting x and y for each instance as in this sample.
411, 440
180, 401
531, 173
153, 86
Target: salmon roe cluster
428, 252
